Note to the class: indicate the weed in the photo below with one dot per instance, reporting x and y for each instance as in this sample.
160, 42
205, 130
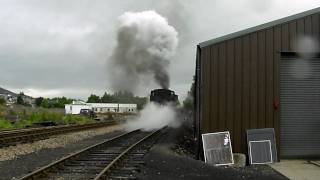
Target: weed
4, 124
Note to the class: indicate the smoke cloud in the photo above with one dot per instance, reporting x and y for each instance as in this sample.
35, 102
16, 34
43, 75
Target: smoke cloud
153, 116
145, 43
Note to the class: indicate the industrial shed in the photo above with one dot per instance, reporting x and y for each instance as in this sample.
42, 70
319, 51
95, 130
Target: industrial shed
256, 78
76, 107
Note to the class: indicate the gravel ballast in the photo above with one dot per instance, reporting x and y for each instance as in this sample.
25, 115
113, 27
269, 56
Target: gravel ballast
11, 152
26, 158
173, 158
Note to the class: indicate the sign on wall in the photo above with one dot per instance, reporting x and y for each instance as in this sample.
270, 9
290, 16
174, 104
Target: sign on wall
217, 148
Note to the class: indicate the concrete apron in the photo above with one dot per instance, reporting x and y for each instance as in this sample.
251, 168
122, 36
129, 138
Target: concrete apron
298, 169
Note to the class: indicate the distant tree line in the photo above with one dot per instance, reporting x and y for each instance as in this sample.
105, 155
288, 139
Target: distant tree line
57, 102
118, 97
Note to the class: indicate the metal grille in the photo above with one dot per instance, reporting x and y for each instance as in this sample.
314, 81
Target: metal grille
300, 107
260, 152
256, 135
217, 148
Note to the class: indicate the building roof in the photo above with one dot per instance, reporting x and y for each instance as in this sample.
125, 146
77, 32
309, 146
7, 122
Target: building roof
128, 105
6, 92
260, 27
103, 105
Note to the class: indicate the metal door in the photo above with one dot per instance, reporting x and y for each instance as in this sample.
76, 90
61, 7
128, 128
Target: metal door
300, 107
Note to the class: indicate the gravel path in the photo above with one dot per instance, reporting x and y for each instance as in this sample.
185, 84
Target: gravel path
51, 150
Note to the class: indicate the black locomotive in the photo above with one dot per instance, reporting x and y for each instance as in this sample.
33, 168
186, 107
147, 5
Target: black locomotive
163, 96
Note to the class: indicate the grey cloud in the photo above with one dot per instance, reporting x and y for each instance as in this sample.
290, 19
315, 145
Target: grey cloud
63, 45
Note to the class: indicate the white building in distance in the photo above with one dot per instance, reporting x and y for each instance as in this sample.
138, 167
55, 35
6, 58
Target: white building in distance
76, 106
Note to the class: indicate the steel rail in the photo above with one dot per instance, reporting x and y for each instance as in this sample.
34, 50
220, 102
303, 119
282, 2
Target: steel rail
22, 136
43, 169
118, 158
51, 129
24, 130
134, 138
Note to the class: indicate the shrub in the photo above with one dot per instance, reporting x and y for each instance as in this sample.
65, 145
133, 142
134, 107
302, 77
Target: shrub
4, 124
22, 124
2, 111
76, 119
20, 98
30, 118
37, 117
2, 101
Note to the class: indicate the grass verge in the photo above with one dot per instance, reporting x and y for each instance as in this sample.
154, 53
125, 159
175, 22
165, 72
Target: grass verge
25, 118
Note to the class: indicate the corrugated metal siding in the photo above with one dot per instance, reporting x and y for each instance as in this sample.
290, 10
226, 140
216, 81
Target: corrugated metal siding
240, 79
300, 107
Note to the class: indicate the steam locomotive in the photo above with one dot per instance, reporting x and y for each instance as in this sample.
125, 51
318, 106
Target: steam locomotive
163, 96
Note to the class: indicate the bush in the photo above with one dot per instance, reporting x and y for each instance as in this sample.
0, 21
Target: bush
41, 115
4, 124
76, 119
57, 102
2, 111
12, 113
2, 101
37, 117
20, 98
22, 124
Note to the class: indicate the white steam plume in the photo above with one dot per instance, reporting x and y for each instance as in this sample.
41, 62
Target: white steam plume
145, 43
307, 48
153, 116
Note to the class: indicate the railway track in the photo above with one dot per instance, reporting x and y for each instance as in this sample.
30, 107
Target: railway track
14, 137
117, 158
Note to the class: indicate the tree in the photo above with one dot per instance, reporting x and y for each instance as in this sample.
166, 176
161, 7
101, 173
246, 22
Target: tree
107, 98
57, 102
124, 97
2, 101
141, 102
45, 103
93, 99
188, 103
38, 101
20, 98
119, 97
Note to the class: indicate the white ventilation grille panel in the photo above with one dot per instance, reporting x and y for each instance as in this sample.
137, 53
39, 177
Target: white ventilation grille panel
217, 148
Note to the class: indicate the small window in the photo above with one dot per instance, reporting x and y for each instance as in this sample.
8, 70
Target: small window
70, 108
100, 109
108, 109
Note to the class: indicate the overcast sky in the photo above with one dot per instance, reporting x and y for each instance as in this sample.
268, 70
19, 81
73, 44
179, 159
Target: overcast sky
61, 48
